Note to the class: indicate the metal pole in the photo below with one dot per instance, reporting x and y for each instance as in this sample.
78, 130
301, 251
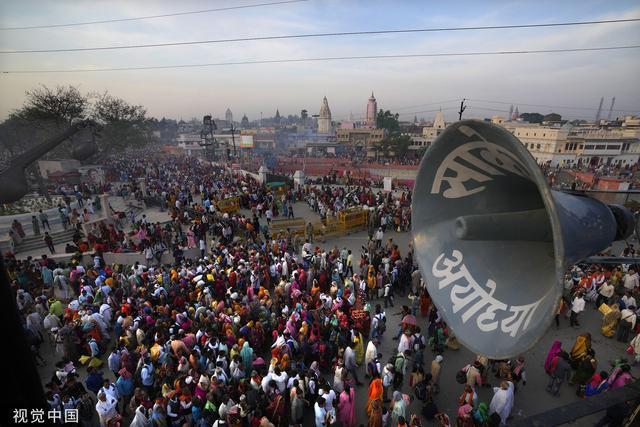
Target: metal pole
233, 138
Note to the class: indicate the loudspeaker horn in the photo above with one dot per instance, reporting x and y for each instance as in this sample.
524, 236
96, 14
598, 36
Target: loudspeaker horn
493, 241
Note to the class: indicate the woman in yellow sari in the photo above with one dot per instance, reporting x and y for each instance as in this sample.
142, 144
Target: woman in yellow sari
372, 282
358, 348
610, 321
581, 347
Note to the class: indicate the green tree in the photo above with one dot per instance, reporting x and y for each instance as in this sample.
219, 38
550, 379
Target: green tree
387, 120
552, 117
400, 144
393, 146
124, 124
532, 117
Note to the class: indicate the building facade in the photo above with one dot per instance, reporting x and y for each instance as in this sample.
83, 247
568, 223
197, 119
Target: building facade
324, 119
372, 111
572, 146
360, 140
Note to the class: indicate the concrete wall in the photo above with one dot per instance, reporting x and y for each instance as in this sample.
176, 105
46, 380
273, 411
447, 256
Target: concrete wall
51, 166
126, 258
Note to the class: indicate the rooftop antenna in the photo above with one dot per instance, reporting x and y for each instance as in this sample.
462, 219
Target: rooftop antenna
599, 110
462, 108
613, 101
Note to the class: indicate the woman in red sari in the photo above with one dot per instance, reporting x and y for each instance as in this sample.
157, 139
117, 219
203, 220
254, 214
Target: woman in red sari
425, 303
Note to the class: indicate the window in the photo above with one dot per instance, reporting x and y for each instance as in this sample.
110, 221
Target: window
588, 147
613, 147
601, 147
538, 146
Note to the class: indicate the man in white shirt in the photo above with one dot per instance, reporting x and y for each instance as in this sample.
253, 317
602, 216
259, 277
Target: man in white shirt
626, 325
406, 342
577, 307
628, 300
604, 294
631, 280
106, 408
320, 412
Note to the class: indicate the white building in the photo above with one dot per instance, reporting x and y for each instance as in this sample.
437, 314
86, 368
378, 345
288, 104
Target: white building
429, 133
569, 145
438, 126
324, 119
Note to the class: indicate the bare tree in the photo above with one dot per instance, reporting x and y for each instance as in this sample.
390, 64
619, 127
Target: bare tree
58, 106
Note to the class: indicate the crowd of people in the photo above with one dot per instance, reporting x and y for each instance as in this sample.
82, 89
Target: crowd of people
260, 329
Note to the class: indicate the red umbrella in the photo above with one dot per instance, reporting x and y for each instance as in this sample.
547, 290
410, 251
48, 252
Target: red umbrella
409, 320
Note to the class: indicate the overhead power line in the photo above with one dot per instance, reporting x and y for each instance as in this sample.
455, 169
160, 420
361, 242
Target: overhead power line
475, 107
329, 58
545, 106
140, 18
317, 35
400, 113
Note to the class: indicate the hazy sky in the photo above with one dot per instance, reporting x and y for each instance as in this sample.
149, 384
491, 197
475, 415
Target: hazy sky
409, 86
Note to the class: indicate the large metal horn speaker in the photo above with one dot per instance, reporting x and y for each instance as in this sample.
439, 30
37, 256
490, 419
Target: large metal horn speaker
493, 240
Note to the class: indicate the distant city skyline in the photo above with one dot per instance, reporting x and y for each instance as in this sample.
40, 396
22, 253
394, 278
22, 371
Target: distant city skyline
412, 86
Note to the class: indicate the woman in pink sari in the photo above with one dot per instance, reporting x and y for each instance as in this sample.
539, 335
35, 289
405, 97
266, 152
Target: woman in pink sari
347, 407
556, 348
191, 239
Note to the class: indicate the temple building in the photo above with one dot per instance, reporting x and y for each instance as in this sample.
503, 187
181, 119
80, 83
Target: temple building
324, 119
372, 111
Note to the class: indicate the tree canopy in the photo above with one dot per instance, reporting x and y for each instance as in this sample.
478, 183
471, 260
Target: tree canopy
532, 117
394, 146
552, 117
387, 120
46, 112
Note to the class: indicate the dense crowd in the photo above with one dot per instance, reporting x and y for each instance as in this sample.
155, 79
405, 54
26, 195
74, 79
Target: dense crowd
273, 329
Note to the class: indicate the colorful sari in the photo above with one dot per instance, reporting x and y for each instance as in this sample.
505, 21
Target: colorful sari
610, 321
347, 408
581, 347
556, 348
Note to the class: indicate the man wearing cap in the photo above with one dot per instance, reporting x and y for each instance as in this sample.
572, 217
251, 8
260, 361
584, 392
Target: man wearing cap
435, 373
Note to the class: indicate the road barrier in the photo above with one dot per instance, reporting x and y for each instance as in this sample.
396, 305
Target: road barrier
296, 226
352, 219
348, 221
228, 205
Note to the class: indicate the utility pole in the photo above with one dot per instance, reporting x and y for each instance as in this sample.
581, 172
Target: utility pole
462, 108
232, 129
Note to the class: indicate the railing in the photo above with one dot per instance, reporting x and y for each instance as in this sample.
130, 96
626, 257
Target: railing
628, 198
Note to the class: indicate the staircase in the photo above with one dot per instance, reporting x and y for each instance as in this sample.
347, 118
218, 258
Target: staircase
31, 242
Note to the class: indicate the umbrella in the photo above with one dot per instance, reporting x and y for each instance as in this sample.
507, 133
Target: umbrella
409, 320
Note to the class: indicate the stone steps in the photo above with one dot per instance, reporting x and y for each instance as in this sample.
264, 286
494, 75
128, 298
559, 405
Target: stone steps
34, 242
